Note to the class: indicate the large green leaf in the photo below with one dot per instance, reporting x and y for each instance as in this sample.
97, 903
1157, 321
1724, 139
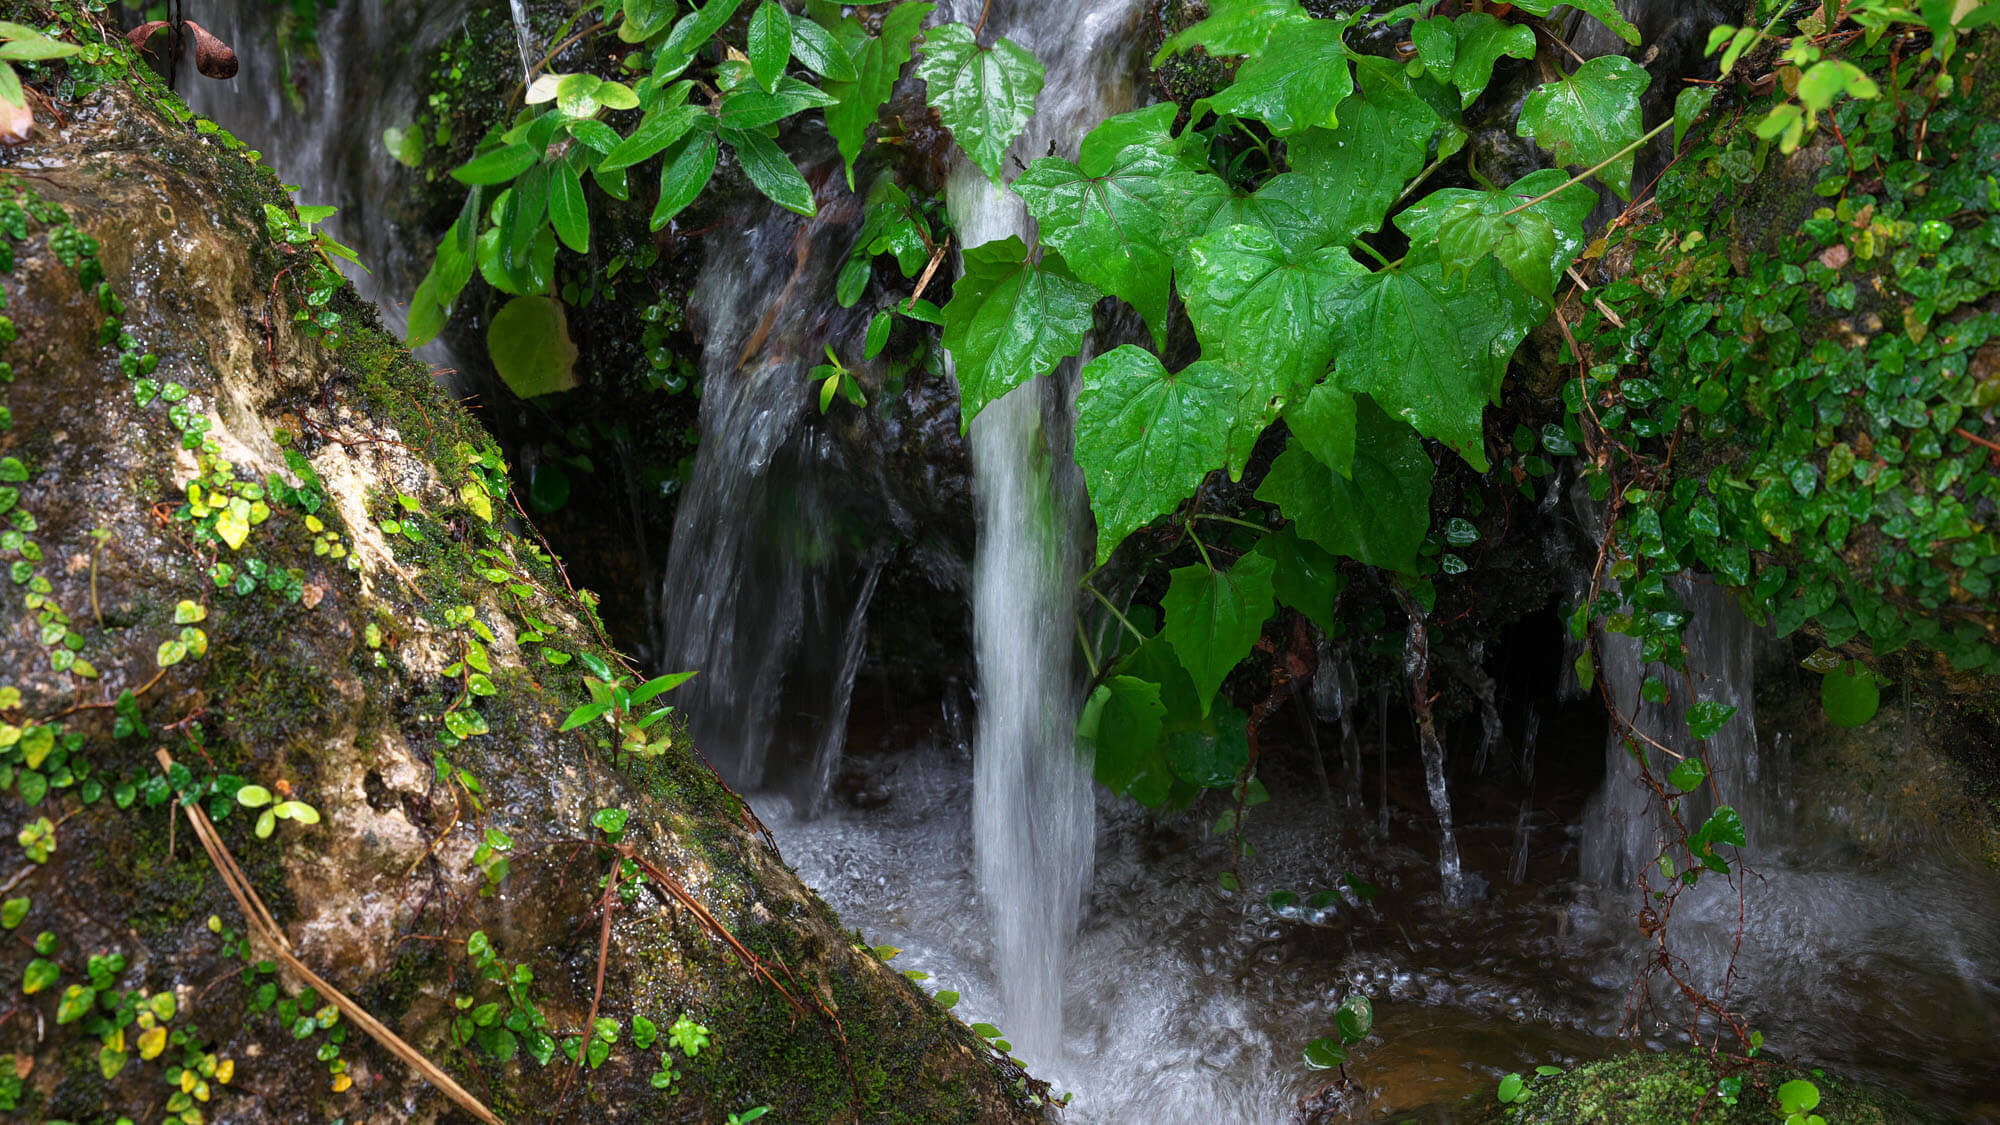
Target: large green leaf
1145, 438
770, 43
1379, 513
1356, 170
659, 128
1587, 117
1262, 309
1462, 51
771, 171
1323, 420
1535, 246
817, 49
1122, 721
1283, 206
1233, 27
1429, 352
1203, 749
984, 95
529, 344
1010, 319
1606, 11
1295, 84
1107, 213
1212, 617
1304, 576
689, 163
567, 209
876, 61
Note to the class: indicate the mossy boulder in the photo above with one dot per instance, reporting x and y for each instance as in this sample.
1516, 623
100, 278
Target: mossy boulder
1676, 1088
241, 525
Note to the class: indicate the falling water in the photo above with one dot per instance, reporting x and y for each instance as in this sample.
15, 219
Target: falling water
1417, 669
1623, 831
1033, 812
325, 134
769, 578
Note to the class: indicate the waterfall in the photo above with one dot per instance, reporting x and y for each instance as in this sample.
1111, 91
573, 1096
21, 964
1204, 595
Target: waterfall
1033, 812
325, 135
1622, 830
770, 574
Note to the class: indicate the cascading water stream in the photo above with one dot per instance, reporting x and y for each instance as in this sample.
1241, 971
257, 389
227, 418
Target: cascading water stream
326, 134
1034, 811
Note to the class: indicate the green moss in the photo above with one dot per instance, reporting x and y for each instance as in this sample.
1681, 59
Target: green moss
1665, 1089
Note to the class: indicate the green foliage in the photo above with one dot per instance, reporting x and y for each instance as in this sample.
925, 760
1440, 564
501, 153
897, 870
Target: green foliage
984, 95
537, 180
1259, 214
19, 43
1824, 376
1012, 316
529, 343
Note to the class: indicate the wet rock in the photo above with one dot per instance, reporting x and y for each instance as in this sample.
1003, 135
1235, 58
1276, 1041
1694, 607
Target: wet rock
310, 643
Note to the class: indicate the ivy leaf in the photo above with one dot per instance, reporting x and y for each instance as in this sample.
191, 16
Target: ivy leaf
567, 209
1323, 420
1706, 717
1010, 319
1528, 256
1378, 514
1233, 27
1428, 353
1850, 695
984, 95
1688, 774
1689, 105
683, 175
1606, 12
1284, 206
1263, 310
1355, 171
1122, 721
770, 43
1145, 438
818, 51
1586, 117
1462, 51
1305, 576
1212, 618
876, 61
1295, 84
771, 171
1210, 750
1107, 213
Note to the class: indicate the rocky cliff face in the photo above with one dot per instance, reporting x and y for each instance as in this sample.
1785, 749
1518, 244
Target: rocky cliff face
240, 525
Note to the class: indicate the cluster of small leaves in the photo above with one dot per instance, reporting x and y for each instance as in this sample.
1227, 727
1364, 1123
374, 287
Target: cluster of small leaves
1840, 384
1812, 81
1353, 1020
1259, 218
314, 276
636, 730
504, 1027
533, 181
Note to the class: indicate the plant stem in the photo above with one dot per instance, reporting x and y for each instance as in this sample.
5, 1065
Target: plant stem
1230, 519
1593, 169
1200, 546
1089, 657
1122, 620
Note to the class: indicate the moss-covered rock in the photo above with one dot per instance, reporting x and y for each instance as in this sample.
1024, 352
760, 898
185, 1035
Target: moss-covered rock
1677, 1088
292, 566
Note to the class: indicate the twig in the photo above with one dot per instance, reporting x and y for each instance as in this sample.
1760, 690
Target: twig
604, 907
260, 921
